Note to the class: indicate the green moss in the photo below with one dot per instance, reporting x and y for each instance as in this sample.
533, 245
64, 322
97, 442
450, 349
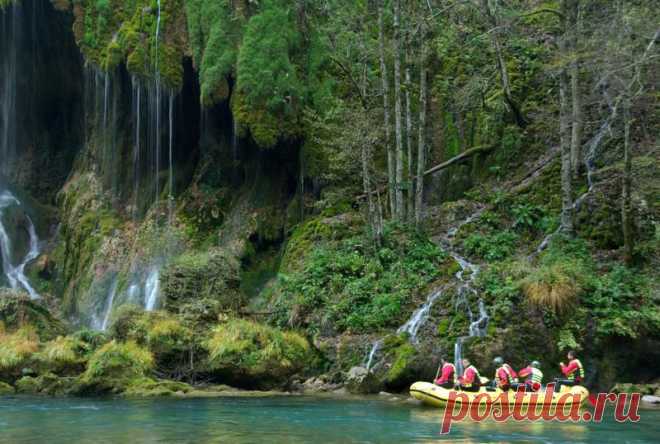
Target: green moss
147, 387
443, 327
110, 32
210, 278
403, 358
46, 384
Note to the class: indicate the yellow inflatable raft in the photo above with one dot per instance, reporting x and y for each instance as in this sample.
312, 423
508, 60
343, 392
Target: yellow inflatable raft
433, 395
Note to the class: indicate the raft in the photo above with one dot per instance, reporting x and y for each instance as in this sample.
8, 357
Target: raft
433, 395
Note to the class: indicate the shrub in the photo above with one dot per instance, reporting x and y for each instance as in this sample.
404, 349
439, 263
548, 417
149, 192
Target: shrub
126, 323
166, 334
241, 349
553, 286
62, 352
17, 348
349, 285
117, 361
622, 304
492, 247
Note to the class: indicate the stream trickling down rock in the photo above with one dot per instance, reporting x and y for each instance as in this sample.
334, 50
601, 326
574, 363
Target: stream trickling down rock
15, 274
465, 277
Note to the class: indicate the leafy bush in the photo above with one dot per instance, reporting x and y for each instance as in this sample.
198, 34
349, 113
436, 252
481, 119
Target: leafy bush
622, 304
241, 349
346, 285
492, 247
527, 216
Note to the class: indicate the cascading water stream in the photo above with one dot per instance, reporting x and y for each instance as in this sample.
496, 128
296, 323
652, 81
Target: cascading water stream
16, 274
466, 276
151, 289
103, 323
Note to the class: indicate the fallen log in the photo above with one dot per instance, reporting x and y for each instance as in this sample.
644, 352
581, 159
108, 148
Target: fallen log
456, 159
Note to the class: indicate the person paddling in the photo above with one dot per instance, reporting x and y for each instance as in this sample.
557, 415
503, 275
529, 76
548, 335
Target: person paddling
505, 376
574, 372
533, 375
470, 380
447, 377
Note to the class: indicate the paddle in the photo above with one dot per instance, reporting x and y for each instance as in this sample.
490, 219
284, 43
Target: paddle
438, 372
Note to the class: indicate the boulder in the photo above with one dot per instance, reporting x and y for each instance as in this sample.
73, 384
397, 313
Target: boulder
650, 399
361, 381
319, 384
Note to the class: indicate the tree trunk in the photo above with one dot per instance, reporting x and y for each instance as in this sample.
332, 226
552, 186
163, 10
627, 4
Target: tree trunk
501, 64
366, 185
565, 133
576, 134
421, 144
400, 209
409, 129
626, 209
391, 180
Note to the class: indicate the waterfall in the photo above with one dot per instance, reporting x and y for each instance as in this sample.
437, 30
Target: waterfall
8, 49
151, 289
419, 316
137, 119
16, 274
103, 323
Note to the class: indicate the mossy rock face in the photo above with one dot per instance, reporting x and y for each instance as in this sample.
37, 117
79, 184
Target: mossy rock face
149, 388
47, 384
17, 309
317, 230
6, 389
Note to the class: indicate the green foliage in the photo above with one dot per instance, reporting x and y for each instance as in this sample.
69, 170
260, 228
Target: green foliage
62, 351
623, 305
348, 285
491, 247
245, 349
17, 348
527, 216
116, 361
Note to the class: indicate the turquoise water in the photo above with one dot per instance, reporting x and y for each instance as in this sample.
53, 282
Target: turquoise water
279, 420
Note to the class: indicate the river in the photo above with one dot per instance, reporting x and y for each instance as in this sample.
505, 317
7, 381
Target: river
281, 419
